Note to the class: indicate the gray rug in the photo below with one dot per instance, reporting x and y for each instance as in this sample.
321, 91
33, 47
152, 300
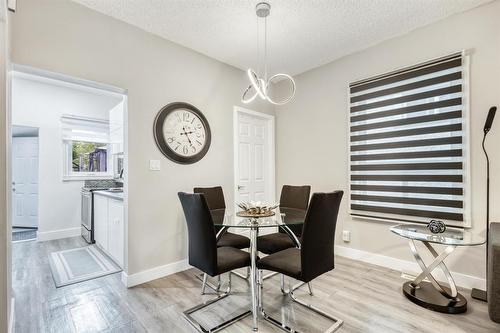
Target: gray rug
23, 234
80, 264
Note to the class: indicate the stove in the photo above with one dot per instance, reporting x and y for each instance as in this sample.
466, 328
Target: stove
87, 205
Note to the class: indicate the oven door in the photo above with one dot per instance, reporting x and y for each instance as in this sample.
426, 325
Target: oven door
86, 217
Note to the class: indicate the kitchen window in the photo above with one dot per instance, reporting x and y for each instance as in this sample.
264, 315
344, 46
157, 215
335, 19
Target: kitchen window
408, 147
86, 148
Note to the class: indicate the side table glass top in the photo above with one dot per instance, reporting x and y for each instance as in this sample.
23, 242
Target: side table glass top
221, 217
449, 237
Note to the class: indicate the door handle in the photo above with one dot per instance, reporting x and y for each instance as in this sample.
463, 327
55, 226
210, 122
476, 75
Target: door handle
240, 187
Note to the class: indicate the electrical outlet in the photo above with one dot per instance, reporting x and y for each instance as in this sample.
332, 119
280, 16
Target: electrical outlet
154, 165
346, 236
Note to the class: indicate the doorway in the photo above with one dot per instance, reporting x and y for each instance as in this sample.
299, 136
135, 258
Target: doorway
254, 156
24, 182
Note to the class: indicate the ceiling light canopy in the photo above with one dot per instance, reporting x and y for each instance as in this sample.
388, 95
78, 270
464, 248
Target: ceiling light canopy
260, 86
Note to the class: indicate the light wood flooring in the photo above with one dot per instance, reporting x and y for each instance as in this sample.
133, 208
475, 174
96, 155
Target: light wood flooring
368, 298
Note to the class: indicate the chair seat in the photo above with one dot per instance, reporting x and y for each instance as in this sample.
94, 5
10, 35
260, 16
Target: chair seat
286, 262
234, 240
273, 243
229, 258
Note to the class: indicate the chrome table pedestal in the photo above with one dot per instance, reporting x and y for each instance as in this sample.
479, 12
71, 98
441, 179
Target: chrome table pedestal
433, 295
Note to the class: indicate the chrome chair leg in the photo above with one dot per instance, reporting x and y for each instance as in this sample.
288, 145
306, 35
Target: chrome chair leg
244, 277
337, 323
199, 327
282, 284
219, 283
309, 285
204, 283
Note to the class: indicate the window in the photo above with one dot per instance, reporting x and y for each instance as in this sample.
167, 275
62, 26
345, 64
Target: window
408, 144
85, 148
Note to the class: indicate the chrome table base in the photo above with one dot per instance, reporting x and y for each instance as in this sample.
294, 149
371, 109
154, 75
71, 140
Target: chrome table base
432, 295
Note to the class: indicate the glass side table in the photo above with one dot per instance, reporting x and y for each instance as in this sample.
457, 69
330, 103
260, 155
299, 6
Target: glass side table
432, 295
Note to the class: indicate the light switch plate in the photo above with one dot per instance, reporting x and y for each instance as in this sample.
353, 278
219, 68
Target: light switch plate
154, 165
346, 236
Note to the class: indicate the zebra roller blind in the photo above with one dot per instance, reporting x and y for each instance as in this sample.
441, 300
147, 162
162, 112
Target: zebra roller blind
408, 144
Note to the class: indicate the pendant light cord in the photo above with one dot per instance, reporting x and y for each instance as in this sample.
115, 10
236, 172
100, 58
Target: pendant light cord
265, 48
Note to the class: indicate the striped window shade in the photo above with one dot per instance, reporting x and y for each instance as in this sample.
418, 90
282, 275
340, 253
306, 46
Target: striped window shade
408, 144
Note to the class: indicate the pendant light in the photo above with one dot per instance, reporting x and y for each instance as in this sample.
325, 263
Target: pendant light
259, 86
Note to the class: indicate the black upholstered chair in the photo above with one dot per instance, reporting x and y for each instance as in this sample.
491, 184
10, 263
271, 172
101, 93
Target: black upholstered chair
316, 255
296, 197
215, 201
204, 253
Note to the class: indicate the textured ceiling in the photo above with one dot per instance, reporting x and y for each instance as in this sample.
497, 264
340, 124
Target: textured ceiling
302, 34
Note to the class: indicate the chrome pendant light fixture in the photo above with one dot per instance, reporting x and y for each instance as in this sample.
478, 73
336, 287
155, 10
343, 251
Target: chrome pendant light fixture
260, 86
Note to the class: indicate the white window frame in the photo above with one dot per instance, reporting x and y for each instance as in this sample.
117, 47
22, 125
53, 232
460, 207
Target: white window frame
67, 152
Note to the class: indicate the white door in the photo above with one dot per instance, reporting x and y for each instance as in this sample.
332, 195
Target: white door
25, 181
254, 157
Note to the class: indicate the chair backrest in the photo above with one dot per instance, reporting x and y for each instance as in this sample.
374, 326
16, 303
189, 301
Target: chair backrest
318, 235
213, 195
201, 234
295, 197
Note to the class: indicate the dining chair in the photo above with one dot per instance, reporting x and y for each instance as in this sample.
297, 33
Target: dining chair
216, 204
215, 201
296, 197
314, 258
204, 254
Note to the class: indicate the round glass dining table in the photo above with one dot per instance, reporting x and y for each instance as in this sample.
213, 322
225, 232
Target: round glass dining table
283, 218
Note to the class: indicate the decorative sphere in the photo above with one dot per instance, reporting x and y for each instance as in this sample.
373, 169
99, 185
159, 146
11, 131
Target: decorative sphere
436, 226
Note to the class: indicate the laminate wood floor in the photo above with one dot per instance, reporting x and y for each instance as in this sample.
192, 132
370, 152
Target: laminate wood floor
368, 298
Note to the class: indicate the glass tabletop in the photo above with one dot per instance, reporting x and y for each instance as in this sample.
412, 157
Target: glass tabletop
221, 217
449, 237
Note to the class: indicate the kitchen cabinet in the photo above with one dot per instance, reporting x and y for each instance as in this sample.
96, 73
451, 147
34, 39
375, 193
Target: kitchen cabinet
115, 230
101, 220
109, 227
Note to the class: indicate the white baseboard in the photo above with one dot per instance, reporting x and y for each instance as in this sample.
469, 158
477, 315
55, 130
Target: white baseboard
43, 236
154, 273
408, 268
11, 318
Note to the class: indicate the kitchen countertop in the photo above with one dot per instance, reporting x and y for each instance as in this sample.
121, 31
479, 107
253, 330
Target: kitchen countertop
110, 194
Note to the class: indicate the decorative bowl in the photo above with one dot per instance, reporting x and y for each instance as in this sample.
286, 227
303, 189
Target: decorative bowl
256, 209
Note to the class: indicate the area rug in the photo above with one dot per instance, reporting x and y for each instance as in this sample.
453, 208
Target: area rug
80, 264
19, 235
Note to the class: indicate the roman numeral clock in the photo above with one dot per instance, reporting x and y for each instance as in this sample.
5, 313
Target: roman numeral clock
182, 133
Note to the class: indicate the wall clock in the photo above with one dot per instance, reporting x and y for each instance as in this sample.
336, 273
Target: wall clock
182, 133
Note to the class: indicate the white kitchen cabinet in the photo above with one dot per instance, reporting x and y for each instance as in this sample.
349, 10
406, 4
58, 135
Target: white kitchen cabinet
116, 230
109, 227
101, 220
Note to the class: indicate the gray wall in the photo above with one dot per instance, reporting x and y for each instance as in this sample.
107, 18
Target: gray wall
320, 112
65, 37
5, 267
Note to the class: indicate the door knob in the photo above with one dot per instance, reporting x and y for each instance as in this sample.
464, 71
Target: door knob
240, 187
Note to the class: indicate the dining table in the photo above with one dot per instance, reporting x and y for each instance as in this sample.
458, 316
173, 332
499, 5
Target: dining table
283, 218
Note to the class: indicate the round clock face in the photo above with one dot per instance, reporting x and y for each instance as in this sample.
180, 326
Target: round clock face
182, 133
